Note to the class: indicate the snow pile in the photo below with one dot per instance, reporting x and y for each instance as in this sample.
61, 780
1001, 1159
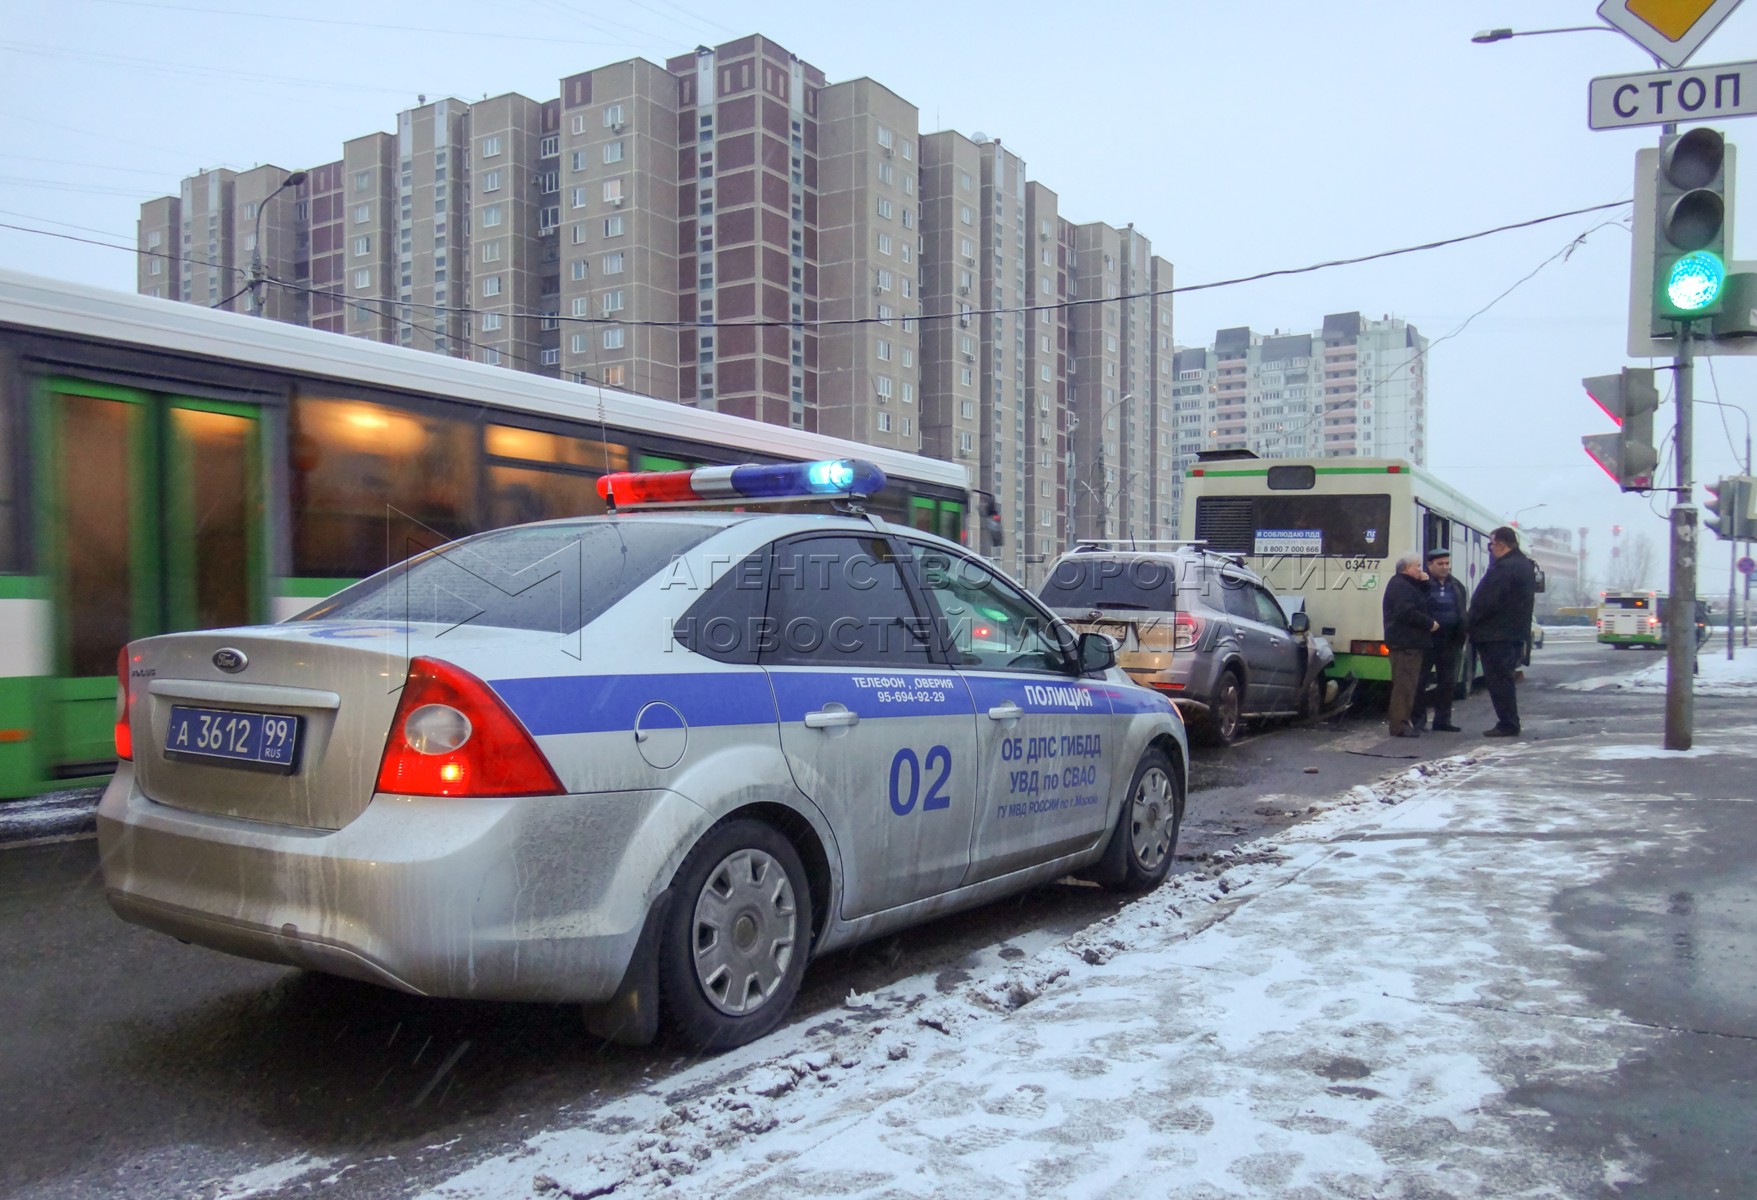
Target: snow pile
1716, 676
730, 1119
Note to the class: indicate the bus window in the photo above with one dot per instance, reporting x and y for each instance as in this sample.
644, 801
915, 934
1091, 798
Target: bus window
951, 521
1350, 526
921, 514
372, 482
533, 445
533, 492
12, 439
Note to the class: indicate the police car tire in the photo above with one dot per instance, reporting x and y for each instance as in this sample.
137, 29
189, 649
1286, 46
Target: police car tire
687, 1010
1121, 868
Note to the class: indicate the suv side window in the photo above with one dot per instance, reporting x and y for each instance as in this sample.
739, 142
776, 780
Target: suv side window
990, 624
841, 601
1269, 610
1238, 598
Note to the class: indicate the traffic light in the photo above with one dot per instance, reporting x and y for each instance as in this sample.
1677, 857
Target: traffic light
1728, 504
1690, 231
1628, 398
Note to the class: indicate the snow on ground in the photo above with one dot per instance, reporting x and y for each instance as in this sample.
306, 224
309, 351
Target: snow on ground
1716, 675
1337, 1011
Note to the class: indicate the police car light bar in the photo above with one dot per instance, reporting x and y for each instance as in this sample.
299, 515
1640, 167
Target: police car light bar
851, 478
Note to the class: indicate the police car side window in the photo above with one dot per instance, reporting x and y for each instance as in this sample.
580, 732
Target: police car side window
727, 622
990, 624
841, 601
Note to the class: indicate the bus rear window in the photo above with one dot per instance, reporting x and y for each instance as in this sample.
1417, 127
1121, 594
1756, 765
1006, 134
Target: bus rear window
1347, 526
1626, 602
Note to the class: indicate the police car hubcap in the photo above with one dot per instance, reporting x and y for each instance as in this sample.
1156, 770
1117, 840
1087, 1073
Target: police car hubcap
744, 931
1150, 819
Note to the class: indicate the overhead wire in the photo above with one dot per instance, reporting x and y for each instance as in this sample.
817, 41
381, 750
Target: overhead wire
473, 34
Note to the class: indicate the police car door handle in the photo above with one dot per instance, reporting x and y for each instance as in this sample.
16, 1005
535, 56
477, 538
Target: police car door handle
830, 718
1005, 712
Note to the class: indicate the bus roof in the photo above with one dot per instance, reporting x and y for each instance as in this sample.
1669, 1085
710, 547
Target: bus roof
33, 303
1429, 487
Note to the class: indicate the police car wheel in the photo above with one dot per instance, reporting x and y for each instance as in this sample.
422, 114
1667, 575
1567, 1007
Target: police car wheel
736, 941
1144, 843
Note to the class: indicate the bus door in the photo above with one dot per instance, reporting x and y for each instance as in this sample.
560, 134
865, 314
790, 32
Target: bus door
152, 521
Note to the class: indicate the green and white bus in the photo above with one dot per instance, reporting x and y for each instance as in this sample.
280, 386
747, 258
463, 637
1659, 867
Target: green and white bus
1331, 530
166, 467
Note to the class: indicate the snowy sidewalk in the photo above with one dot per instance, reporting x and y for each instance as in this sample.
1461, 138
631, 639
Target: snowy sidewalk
1346, 1011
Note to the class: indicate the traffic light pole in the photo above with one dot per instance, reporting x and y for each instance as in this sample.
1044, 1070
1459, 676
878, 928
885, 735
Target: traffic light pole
1680, 691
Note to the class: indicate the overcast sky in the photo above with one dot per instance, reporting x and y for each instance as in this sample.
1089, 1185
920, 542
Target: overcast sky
1240, 137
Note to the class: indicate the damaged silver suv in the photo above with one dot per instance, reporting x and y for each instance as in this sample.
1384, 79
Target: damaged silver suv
1197, 627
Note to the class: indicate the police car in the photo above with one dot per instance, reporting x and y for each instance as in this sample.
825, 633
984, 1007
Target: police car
651, 762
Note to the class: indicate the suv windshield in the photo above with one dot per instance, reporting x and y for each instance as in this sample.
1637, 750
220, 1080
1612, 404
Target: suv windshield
549, 578
1100, 581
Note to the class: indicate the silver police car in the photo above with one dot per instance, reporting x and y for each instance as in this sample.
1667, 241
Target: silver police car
651, 762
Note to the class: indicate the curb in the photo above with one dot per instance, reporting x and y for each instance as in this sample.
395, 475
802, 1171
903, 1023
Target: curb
51, 817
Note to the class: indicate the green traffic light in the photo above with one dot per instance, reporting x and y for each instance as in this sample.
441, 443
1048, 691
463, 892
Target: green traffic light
1695, 280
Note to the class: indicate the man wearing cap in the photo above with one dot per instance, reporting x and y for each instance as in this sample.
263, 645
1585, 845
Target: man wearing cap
1447, 604
1500, 621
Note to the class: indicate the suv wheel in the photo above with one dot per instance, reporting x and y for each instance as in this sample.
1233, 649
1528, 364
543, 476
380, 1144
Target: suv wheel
735, 942
1220, 725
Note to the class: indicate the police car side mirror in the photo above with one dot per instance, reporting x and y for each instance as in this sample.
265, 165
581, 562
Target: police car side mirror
1096, 653
1300, 623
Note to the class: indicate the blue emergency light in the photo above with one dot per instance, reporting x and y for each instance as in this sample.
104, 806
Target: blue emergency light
852, 478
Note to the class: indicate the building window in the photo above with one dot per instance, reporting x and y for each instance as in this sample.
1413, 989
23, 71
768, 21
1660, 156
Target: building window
612, 116
613, 152
491, 180
491, 146
613, 263
908, 150
882, 386
550, 146
491, 216
887, 173
884, 280
490, 251
362, 181
549, 181
577, 269
884, 208
886, 138
491, 285
616, 376
613, 191
613, 301
577, 197
612, 227
579, 122
579, 233
578, 160
966, 214
883, 420
964, 376
967, 408
362, 279
908, 395
550, 358
362, 214
362, 245
615, 337
908, 218
490, 322
156, 267
577, 343
582, 306
883, 350
884, 243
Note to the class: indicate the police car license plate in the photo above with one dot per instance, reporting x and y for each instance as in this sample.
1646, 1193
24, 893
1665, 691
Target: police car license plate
249, 738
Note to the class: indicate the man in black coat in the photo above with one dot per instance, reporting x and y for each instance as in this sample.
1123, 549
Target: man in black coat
1500, 622
1447, 604
1408, 628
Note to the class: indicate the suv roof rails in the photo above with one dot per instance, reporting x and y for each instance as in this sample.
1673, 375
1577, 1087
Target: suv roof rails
1082, 545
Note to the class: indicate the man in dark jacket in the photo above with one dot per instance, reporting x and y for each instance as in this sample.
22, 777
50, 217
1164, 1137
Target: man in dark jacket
1408, 628
1500, 622
1447, 603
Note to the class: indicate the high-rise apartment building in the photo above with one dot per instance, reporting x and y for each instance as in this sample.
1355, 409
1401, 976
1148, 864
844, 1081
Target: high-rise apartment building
731, 230
1353, 387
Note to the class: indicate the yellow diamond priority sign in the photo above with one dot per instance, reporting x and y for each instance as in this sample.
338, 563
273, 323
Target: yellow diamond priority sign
1670, 30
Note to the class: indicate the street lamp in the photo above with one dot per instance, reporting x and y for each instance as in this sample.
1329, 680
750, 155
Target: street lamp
1485, 36
256, 272
1526, 509
1104, 502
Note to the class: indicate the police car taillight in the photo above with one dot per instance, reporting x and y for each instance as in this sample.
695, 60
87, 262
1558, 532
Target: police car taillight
452, 736
849, 477
124, 709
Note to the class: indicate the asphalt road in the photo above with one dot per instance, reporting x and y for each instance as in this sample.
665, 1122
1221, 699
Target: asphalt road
135, 1066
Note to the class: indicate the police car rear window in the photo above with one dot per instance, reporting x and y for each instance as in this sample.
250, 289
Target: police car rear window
1102, 582
548, 578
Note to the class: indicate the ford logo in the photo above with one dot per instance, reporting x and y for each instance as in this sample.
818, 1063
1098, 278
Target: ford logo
230, 661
